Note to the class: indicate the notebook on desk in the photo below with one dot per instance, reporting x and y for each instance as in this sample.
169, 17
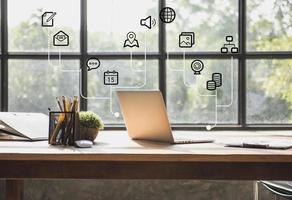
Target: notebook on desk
23, 126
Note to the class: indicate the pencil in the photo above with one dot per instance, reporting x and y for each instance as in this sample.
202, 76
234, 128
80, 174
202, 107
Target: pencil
53, 138
71, 104
64, 103
51, 17
76, 103
59, 104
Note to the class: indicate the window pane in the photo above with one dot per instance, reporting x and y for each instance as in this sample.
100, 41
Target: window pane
25, 24
129, 79
34, 86
1, 25
211, 21
110, 21
186, 92
269, 25
269, 97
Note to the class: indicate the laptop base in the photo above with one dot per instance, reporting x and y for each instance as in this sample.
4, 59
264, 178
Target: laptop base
186, 141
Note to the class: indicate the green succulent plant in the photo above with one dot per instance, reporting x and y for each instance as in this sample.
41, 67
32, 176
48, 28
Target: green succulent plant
89, 119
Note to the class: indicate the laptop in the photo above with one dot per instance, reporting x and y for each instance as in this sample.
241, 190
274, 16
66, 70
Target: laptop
146, 118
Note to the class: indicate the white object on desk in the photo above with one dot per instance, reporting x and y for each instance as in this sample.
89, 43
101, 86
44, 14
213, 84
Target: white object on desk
83, 143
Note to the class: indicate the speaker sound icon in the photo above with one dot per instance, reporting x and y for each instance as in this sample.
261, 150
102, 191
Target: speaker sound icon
149, 22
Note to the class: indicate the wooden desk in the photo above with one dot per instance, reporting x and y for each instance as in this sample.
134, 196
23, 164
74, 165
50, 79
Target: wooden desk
115, 156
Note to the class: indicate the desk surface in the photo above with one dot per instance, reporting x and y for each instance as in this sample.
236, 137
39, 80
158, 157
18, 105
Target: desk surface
116, 156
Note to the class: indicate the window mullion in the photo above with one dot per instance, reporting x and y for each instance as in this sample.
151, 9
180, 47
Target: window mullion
242, 64
162, 53
83, 51
4, 58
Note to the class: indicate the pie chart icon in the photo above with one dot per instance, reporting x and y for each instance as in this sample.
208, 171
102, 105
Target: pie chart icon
197, 66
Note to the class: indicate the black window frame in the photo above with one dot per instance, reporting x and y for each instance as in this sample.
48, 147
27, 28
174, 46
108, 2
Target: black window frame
83, 55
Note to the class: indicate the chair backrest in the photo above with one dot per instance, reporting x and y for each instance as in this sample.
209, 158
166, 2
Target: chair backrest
281, 188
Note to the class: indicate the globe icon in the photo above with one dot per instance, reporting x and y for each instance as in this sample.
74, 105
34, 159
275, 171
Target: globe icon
167, 15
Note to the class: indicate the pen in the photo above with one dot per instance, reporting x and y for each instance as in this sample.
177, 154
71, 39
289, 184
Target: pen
262, 146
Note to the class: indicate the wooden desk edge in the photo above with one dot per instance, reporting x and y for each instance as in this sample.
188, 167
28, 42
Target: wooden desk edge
256, 158
144, 170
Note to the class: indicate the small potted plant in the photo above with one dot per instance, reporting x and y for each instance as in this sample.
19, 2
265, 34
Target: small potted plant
90, 125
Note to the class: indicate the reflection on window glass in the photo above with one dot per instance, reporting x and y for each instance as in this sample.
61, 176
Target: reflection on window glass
25, 24
211, 21
33, 85
269, 25
269, 97
188, 98
110, 21
130, 78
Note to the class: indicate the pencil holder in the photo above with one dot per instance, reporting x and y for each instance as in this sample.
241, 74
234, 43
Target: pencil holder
63, 128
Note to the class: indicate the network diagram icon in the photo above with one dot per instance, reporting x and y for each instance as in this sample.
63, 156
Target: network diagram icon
229, 40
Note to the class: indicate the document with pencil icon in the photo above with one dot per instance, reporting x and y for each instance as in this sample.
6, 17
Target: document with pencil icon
48, 19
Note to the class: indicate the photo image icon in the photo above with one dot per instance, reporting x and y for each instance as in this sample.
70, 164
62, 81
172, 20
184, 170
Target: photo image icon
186, 39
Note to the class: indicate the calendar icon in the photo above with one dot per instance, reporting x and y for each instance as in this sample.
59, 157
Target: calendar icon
111, 78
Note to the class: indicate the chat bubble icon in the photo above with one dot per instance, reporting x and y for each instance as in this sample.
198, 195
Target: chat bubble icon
92, 63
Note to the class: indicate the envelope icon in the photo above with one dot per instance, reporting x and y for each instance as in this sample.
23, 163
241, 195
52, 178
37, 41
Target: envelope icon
61, 39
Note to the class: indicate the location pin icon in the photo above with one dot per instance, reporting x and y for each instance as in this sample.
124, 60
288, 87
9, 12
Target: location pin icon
131, 36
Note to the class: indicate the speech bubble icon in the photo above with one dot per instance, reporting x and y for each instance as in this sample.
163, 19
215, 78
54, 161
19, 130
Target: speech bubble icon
92, 63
